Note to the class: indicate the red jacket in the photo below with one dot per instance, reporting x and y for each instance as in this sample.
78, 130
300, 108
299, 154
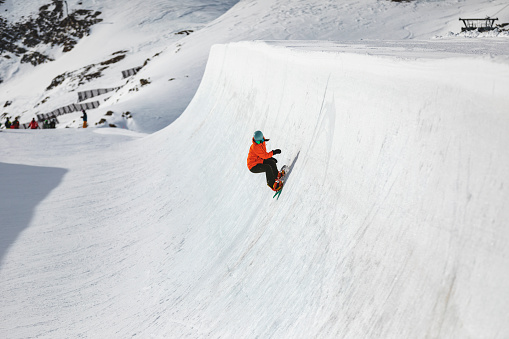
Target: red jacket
257, 153
33, 124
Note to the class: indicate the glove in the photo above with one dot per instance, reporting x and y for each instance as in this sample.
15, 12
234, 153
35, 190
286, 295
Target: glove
276, 151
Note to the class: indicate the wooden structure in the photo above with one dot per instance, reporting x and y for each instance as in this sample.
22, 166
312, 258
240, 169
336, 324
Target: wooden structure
130, 72
68, 109
481, 25
82, 96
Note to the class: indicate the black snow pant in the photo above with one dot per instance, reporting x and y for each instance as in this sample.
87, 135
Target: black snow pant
270, 168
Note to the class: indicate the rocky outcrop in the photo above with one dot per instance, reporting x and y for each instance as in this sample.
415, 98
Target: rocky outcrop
53, 26
85, 74
35, 58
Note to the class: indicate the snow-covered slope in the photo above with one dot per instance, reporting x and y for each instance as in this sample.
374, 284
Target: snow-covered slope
291, 19
135, 29
392, 222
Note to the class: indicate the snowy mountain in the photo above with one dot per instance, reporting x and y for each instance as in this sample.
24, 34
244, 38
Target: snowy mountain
147, 34
137, 33
392, 222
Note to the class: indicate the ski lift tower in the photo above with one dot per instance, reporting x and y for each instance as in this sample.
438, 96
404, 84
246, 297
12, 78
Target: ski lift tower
481, 25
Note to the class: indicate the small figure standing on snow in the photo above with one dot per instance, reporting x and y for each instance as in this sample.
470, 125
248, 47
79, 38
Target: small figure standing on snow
15, 124
84, 117
33, 124
7, 123
259, 161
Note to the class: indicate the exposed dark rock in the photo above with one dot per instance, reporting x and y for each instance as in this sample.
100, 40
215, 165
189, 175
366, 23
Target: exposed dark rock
42, 102
186, 32
52, 26
35, 58
144, 82
113, 60
58, 80
85, 74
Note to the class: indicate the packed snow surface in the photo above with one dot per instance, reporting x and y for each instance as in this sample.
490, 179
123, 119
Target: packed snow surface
392, 222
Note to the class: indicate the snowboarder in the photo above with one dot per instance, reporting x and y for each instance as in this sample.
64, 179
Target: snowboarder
8, 124
33, 124
259, 161
84, 117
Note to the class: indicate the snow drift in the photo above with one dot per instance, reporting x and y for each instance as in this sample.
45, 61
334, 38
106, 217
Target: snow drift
392, 222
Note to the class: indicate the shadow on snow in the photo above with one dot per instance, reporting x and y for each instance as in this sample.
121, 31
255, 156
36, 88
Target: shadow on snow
23, 188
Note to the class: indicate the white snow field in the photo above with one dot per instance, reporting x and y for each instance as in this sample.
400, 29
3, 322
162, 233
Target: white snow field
392, 223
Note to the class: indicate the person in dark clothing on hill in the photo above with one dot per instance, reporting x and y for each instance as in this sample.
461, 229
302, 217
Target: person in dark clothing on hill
8, 123
15, 124
84, 117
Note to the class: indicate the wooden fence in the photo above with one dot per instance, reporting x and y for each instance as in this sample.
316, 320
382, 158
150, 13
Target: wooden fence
68, 109
82, 96
130, 72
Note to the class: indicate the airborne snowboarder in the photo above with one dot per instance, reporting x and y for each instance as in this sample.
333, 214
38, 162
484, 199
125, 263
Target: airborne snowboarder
259, 161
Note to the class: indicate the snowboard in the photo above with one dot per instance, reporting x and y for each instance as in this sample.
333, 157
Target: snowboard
284, 171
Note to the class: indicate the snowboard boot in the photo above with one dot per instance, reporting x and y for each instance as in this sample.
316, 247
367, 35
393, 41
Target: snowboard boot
278, 185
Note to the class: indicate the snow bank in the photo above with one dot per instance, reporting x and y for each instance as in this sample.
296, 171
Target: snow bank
393, 220
496, 33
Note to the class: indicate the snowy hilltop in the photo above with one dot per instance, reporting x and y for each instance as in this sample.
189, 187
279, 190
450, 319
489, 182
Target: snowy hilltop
167, 43
392, 220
